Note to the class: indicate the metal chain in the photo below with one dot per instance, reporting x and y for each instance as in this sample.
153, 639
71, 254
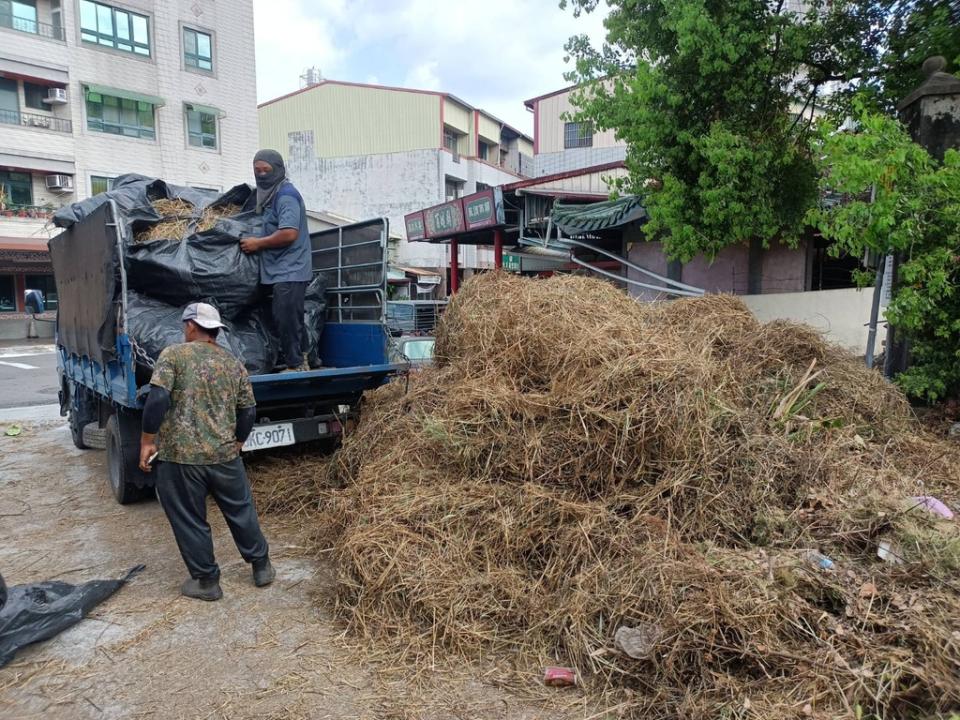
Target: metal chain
140, 354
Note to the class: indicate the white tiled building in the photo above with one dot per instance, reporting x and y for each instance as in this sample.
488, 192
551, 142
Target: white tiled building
92, 90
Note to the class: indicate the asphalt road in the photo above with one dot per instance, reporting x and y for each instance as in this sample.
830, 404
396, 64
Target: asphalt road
28, 375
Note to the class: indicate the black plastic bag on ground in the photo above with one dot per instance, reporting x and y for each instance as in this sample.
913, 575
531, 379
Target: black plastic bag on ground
315, 311
40, 611
209, 264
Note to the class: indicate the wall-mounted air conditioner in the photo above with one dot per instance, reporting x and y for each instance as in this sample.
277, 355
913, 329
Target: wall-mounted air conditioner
60, 183
56, 96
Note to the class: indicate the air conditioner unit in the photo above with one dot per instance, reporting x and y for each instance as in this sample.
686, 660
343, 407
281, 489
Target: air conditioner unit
56, 96
60, 183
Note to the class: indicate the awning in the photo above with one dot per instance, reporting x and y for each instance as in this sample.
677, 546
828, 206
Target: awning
591, 217
26, 162
126, 94
423, 275
206, 109
28, 69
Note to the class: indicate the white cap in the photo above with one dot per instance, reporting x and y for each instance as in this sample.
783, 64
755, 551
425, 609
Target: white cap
203, 314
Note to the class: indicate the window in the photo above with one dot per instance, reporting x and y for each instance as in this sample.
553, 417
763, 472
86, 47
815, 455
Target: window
120, 116
47, 287
108, 26
8, 294
482, 186
100, 184
577, 135
56, 19
450, 141
19, 14
452, 189
17, 189
34, 94
483, 150
197, 49
201, 128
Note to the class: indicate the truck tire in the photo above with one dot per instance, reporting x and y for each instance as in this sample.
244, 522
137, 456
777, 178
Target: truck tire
94, 436
127, 482
83, 412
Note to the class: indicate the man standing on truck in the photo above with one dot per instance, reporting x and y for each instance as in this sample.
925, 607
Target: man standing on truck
198, 414
284, 255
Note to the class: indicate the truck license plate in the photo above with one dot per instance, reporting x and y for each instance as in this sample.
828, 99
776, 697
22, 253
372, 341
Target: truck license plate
268, 436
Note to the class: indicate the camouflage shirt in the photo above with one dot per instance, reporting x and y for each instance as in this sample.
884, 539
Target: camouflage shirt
206, 385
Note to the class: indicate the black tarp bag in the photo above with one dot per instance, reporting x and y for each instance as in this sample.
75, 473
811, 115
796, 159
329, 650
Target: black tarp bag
39, 611
315, 311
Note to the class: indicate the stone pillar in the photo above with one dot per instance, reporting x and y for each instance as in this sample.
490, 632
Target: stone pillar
931, 114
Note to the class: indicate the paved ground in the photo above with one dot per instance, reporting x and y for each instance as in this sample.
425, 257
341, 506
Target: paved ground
28, 374
148, 653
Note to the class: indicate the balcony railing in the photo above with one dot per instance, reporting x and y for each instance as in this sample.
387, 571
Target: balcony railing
43, 122
34, 27
36, 212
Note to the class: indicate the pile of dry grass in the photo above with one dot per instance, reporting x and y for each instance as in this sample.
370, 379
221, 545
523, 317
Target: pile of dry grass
579, 462
178, 219
176, 215
212, 213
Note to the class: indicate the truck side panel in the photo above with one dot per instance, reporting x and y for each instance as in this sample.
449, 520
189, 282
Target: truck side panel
85, 267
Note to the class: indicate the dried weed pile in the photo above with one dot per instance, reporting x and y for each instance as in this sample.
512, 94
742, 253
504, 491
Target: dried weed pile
637, 491
178, 219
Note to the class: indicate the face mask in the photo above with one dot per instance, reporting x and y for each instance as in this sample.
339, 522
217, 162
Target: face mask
264, 181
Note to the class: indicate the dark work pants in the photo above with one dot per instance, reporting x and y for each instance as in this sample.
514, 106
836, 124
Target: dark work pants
288, 319
183, 491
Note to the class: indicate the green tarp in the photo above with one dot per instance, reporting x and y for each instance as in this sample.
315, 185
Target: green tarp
576, 219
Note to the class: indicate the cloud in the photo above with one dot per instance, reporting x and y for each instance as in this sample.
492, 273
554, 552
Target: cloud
493, 54
291, 36
423, 76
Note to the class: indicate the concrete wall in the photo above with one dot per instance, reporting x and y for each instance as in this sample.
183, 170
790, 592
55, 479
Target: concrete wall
390, 185
841, 315
576, 158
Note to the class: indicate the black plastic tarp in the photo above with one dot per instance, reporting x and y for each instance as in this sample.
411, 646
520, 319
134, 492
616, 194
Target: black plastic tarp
155, 325
315, 309
39, 611
205, 265
85, 268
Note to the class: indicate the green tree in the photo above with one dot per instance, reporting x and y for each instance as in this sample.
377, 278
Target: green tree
899, 199
914, 31
713, 99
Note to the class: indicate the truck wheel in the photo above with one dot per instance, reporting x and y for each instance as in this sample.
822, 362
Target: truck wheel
82, 414
94, 436
123, 459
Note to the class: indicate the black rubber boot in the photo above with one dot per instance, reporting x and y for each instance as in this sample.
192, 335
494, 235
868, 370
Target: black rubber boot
263, 572
202, 589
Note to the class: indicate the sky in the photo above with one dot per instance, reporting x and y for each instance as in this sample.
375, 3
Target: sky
492, 54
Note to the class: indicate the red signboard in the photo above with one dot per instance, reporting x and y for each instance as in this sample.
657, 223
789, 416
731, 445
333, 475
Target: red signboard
443, 220
473, 212
480, 210
416, 230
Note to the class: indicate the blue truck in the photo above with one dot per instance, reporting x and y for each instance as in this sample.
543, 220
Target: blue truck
104, 375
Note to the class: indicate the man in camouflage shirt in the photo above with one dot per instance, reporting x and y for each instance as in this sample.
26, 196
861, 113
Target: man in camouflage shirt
198, 414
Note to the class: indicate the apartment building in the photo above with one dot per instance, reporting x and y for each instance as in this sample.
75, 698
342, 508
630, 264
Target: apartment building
92, 89
367, 151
